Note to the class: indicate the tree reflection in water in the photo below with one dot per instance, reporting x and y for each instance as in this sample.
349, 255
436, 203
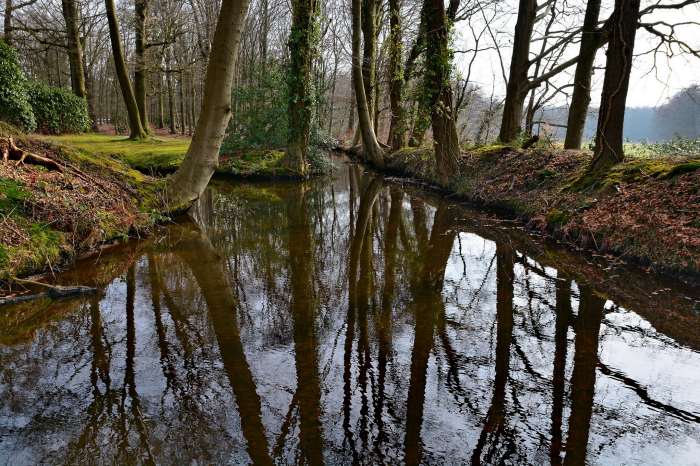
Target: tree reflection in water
341, 321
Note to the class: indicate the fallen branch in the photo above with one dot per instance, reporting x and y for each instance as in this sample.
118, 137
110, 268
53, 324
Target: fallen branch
54, 291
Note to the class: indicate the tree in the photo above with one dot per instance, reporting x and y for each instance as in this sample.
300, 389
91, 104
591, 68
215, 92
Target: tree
137, 131
439, 88
609, 141
397, 139
75, 49
190, 180
140, 72
581, 97
302, 42
369, 139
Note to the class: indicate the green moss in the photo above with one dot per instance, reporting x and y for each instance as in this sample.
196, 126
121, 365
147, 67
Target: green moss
488, 151
546, 174
12, 195
682, 169
257, 164
141, 154
557, 218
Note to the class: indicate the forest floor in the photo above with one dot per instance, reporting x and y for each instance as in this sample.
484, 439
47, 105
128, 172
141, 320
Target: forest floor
645, 211
78, 202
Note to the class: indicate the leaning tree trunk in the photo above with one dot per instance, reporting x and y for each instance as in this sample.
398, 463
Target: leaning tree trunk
581, 97
140, 73
517, 89
301, 45
185, 186
608, 145
369, 139
397, 130
75, 49
438, 67
137, 131
369, 53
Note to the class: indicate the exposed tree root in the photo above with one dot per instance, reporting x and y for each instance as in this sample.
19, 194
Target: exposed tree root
12, 152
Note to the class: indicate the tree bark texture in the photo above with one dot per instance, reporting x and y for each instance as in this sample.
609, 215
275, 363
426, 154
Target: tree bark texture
301, 47
581, 97
369, 139
609, 149
75, 49
140, 73
137, 131
397, 131
438, 68
188, 183
516, 92
369, 53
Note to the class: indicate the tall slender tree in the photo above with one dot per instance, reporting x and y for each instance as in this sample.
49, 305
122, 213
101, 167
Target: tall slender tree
438, 71
609, 141
140, 71
369, 139
137, 131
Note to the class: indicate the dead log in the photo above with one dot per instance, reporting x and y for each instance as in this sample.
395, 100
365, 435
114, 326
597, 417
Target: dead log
54, 291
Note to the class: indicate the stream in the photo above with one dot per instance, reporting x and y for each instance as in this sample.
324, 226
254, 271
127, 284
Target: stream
350, 319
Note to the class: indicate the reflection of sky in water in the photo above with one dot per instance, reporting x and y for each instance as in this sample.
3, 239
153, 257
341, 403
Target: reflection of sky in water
66, 395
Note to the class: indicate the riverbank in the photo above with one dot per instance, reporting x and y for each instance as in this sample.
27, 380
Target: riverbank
53, 212
162, 155
642, 212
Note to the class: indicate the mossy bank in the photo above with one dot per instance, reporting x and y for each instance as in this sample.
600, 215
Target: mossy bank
644, 211
160, 156
49, 216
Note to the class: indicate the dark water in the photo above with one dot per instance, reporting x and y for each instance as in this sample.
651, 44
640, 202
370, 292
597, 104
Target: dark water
348, 321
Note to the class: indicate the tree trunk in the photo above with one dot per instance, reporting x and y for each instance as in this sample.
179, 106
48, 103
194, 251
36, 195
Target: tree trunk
137, 131
182, 103
397, 131
7, 24
193, 97
161, 107
369, 53
75, 49
516, 92
90, 95
301, 46
189, 181
438, 67
608, 147
171, 104
581, 97
140, 73
351, 116
369, 139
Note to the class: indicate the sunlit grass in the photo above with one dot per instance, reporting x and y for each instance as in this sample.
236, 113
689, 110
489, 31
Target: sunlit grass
162, 153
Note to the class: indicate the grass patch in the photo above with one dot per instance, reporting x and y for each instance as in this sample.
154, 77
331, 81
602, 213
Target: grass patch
143, 155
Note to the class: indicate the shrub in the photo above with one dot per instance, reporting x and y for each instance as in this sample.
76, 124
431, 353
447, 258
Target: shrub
14, 100
57, 110
259, 119
261, 116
